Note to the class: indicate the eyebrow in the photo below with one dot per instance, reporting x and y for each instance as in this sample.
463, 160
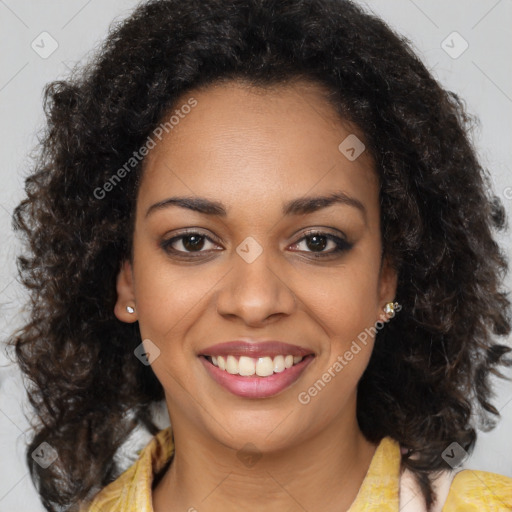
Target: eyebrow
300, 206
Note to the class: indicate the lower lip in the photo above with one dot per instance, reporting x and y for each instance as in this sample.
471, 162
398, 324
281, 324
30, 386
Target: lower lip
257, 387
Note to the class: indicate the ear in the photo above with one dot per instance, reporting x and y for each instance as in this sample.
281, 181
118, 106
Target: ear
388, 280
125, 295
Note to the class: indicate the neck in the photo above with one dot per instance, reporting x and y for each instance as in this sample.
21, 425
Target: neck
322, 472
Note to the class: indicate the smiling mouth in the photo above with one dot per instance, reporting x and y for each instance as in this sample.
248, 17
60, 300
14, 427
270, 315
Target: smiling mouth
255, 366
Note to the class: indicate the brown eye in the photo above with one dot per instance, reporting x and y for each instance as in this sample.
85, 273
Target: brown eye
188, 243
316, 243
193, 242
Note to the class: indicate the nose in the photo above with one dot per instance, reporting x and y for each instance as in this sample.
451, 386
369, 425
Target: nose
255, 291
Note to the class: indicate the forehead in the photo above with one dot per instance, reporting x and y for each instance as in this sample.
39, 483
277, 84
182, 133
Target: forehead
248, 145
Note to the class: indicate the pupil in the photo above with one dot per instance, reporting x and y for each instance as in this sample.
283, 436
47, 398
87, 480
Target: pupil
319, 242
193, 242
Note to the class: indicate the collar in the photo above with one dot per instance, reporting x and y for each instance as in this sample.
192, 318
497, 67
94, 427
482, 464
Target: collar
131, 492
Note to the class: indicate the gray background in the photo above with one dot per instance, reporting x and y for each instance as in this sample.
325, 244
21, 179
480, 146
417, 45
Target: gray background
481, 75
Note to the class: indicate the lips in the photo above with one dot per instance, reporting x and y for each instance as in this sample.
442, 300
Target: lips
254, 370
255, 349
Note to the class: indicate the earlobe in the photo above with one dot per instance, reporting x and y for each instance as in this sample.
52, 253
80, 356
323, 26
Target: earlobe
387, 288
125, 309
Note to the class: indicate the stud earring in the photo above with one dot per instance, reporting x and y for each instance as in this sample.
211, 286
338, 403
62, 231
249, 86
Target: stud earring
391, 307
130, 309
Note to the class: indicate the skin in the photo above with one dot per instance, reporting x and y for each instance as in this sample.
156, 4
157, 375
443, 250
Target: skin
254, 149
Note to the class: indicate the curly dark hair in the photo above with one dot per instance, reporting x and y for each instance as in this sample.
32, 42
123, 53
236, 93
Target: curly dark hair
438, 217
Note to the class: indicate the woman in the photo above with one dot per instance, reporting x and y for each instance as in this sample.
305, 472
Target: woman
269, 215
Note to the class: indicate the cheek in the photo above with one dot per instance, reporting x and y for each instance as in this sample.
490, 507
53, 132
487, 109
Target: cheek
346, 305
169, 297
346, 311
345, 300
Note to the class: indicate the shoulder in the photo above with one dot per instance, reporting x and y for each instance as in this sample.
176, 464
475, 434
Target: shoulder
117, 494
131, 491
479, 490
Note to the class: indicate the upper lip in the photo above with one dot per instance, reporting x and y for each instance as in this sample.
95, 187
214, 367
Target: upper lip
255, 349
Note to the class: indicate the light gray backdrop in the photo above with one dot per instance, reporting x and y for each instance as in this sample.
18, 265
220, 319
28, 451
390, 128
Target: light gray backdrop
466, 44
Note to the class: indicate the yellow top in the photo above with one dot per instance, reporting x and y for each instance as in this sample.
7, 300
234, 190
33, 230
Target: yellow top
470, 491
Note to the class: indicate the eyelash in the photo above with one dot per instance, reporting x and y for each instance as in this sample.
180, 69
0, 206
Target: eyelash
341, 244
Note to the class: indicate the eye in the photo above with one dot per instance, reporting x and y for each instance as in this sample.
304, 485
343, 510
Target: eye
188, 243
318, 243
321, 244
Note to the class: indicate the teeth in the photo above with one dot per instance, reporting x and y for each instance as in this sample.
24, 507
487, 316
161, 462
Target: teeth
232, 365
262, 366
279, 364
246, 366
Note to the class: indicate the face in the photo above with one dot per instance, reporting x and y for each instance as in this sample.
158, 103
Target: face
230, 244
